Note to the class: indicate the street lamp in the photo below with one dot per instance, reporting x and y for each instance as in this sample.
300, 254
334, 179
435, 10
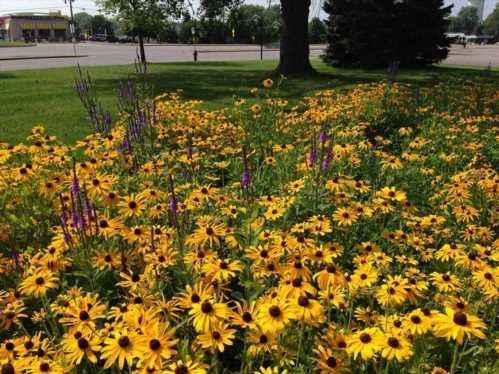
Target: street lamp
195, 53
258, 21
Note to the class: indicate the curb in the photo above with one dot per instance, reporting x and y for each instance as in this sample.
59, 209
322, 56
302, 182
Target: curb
39, 57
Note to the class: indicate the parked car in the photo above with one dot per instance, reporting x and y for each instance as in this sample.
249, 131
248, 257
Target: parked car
125, 39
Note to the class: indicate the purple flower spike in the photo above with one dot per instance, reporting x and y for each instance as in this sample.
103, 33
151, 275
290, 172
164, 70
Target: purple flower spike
323, 137
173, 205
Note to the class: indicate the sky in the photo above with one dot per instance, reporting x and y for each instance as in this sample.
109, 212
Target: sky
11, 6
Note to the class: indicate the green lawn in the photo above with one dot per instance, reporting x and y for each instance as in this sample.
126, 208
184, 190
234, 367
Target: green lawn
34, 97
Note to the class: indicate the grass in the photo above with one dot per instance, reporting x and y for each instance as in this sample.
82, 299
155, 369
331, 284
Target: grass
5, 44
34, 97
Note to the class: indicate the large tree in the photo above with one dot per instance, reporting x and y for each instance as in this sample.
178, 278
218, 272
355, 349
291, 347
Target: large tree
295, 50
491, 24
141, 15
372, 33
466, 21
83, 23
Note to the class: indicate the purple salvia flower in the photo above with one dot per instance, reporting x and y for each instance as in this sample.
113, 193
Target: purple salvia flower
312, 157
74, 218
173, 204
82, 222
88, 208
15, 257
75, 186
63, 219
67, 239
323, 137
246, 179
189, 151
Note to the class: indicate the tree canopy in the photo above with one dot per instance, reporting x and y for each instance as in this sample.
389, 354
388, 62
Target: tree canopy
379, 32
491, 24
466, 21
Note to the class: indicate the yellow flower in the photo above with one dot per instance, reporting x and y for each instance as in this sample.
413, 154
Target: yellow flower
207, 314
38, 283
345, 216
456, 324
396, 347
78, 345
156, 344
217, 337
274, 315
120, 347
267, 83
365, 343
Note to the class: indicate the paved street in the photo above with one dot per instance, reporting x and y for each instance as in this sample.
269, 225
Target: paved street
118, 54
59, 55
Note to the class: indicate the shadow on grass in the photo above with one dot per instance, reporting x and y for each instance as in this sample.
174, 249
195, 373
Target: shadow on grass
219, 82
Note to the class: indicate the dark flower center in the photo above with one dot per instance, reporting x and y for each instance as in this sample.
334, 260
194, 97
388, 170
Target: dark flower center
10, 346
416, 319
132, 205
365, 338
82, 343
460, 319
263, 339
209, 231
216, 335
224, 266
28, 345
331, 362
84, 315
8, 369
296, 282
182, 369
206, 307
446, 277
342, 344
39, 281
393, 342
363, 276
397, 323
154, 344
303, 301
331, 268
488, 276
275, 311
124, 341
135, 278
44, 367
247, 317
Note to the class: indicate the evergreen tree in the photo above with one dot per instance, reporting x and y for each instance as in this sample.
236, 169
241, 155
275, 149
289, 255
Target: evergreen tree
371, 33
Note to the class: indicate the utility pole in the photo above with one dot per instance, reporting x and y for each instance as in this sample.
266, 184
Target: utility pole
72, 22
72, 27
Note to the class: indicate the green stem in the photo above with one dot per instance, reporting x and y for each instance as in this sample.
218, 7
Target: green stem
454, 358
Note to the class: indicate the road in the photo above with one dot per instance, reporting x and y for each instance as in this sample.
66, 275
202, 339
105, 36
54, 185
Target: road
59, 55
118, 54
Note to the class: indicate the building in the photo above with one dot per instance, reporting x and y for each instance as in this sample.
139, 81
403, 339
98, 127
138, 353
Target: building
34, 27
479, 5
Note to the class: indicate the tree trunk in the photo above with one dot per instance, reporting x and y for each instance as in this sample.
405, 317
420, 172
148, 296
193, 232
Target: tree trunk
294, 55
141, 47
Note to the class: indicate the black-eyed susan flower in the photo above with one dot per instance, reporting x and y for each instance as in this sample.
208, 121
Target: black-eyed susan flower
364, 343
458, 324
